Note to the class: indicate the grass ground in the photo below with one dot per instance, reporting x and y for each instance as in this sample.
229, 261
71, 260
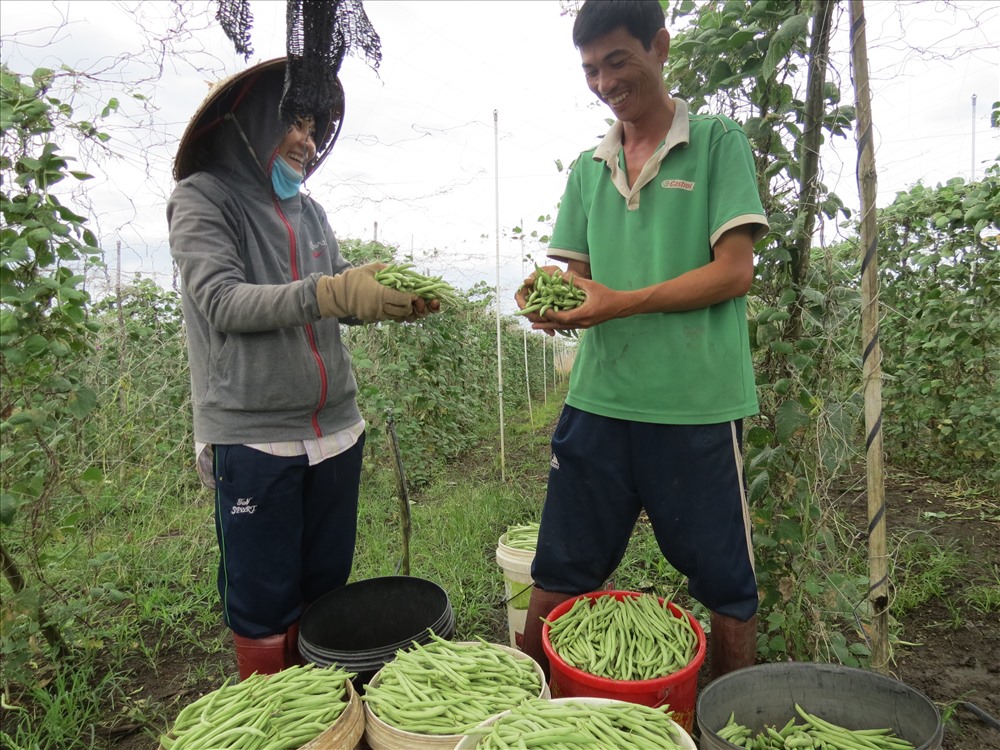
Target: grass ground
160, 644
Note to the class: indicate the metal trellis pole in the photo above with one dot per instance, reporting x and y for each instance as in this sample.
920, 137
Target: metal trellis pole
496, 176
545, 377
524, 331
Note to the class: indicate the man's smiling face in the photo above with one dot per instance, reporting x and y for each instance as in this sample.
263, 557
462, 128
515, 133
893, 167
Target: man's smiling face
623, 74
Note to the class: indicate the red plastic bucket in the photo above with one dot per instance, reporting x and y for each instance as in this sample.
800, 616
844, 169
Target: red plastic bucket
679, 690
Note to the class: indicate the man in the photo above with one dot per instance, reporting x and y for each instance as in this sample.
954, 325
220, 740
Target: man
657, 225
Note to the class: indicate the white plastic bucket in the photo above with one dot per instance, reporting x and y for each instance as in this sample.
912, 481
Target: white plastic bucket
516, 565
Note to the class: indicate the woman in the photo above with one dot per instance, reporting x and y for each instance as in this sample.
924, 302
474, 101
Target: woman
277, 429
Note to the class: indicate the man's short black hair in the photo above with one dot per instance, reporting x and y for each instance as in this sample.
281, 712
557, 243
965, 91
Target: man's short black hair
642, 19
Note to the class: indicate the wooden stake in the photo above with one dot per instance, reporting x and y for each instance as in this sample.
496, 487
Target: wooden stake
401, 492
878, 563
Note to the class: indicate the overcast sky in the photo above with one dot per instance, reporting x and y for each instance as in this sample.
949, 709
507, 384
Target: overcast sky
419, 153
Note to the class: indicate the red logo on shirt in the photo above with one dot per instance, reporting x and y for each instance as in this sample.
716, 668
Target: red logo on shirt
682, 184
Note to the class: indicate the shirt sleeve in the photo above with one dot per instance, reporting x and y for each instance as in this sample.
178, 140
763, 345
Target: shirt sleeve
734, 199
204, 241
569, 236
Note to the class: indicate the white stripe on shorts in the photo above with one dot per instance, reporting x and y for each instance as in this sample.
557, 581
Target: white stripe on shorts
747, 527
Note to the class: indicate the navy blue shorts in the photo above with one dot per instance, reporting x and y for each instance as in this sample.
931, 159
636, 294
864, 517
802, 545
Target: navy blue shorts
286, 533
688, 479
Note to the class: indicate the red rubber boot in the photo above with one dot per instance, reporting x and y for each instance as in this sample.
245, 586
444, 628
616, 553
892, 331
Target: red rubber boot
266, 655
539, 606
732, 644
292, 655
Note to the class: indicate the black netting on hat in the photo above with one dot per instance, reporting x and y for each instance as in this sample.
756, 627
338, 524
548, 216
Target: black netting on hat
319, 35
236, 21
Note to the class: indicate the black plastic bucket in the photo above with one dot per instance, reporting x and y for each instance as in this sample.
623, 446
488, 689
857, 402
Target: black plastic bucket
360, 627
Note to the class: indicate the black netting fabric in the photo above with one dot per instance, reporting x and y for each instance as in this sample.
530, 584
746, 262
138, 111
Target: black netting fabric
319, 35
236, 21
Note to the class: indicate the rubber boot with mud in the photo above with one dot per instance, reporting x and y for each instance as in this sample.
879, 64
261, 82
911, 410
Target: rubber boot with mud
732, 644
539, 606
266, 655
292, 656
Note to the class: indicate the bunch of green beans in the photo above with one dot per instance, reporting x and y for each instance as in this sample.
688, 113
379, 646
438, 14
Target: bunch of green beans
283, 711
552, 292
524, 538
567, 725
814, 734
401, 276
635, 638
447, 688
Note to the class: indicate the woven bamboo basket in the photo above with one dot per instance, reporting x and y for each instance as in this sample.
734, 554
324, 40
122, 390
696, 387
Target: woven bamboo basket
380, 735
346, 732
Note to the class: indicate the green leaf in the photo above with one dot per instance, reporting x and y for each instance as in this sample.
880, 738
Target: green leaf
92, 474
787, 297
81, 402
17, 252
42, 76
755, 128
35, 344
60, 385
15, 357
8, 323
861, 649
24, 417
784, 39
791, 530
790, 419
758, 488
740, 38
780, 347
40, 235
8, 508
758, 436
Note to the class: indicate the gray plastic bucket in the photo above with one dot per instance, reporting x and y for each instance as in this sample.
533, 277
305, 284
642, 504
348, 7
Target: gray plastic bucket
852, 698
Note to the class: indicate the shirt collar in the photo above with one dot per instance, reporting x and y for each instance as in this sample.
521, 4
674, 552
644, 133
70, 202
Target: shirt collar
679, 133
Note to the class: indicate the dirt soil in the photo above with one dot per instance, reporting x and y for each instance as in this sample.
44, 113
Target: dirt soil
957, 661
956, 664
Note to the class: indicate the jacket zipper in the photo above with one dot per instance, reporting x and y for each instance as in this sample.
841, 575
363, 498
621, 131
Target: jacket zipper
310, 333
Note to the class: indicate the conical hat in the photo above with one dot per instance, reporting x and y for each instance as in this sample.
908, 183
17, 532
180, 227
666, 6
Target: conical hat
223, 97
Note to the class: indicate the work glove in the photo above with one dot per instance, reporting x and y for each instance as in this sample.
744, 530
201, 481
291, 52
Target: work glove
355, 294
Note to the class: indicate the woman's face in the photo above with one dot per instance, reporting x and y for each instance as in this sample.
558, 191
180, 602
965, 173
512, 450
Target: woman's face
298, 147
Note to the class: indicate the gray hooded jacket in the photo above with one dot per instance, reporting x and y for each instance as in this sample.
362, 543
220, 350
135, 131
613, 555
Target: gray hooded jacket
264, 366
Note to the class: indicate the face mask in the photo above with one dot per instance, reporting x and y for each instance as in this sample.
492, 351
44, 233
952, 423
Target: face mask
285, 179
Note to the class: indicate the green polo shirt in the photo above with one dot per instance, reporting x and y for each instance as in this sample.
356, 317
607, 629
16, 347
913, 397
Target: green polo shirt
689, 367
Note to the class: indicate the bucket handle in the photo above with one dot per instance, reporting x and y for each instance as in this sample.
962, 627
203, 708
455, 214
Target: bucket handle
512, 598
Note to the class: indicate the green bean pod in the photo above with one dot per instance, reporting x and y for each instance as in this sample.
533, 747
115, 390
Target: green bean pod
524, 537
444, 688
634, 638
552, 292
570, 725
814, 733
404, 278
263, 712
